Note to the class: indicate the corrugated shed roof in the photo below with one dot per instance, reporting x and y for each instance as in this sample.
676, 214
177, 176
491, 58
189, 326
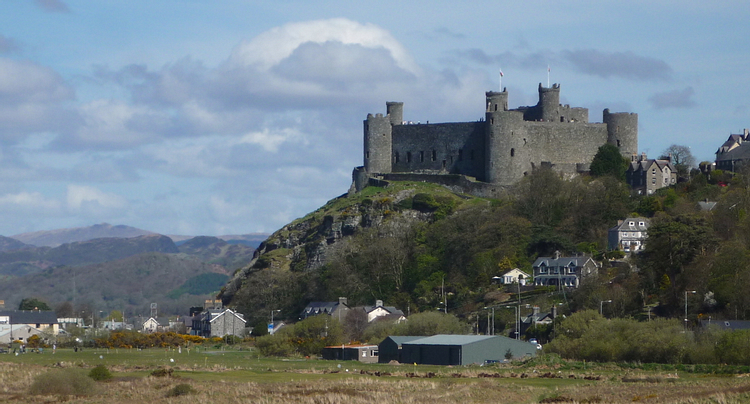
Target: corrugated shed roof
450, 339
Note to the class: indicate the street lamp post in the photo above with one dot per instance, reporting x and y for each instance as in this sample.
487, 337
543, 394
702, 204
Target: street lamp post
686, 313
601, 306
518, 332
273, 326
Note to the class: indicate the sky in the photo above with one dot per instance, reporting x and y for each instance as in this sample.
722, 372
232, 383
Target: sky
235, 116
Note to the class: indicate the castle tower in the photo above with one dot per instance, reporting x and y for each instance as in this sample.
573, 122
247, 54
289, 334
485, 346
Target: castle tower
503, 140
378, 143
622, 131
395, 111
549, 103
497, 101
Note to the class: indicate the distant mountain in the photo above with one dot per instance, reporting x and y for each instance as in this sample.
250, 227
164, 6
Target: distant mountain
7, 243
32, 259
214, 250
173, 281
251, 240
54, 238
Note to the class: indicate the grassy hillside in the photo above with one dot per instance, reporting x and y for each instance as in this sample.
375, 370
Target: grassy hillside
131, 283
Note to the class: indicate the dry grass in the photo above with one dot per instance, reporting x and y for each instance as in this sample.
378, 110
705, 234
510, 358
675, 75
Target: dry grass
456, 385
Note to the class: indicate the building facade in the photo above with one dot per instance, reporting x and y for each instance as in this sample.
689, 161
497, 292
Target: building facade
629, 235
734, 153
646, 175
499, 149
563, 271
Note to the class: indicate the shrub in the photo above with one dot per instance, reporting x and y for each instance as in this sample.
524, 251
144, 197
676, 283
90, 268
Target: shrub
162, 372
63, 382
180, 390
100, 373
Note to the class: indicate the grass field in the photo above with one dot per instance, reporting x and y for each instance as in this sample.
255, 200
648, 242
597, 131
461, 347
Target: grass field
242, 377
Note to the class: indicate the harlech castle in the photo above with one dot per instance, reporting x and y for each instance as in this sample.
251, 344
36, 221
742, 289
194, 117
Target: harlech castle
485, 156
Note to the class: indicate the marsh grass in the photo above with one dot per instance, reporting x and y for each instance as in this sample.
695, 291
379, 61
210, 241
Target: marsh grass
64, 382
243, 377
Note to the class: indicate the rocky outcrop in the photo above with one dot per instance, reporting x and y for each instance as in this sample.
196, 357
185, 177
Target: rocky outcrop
309, 243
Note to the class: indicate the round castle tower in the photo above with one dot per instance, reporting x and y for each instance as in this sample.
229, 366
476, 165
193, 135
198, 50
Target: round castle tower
378, 143
549, 102
622, 131
502, 146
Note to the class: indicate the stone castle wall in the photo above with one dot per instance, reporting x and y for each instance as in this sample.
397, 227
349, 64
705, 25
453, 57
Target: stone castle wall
501, 149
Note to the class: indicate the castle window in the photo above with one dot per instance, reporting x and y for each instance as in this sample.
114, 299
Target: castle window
421, 157
443, 163
512, 152
492, 121
495, 107
460, 154
562, 119
618, 142
434, 155
396, 157
408, 157
367, 155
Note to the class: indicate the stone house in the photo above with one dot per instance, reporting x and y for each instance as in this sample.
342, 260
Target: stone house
335, 309
219, 323
734, 152
629, 235
563, 271
646, 175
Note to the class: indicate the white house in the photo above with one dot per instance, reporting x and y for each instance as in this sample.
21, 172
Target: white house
515, 275
629, 235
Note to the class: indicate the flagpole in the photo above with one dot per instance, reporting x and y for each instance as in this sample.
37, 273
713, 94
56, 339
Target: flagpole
501, 80
547, 76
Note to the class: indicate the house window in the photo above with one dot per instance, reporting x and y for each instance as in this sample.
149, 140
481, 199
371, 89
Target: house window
631, 223
653, 180
640, 223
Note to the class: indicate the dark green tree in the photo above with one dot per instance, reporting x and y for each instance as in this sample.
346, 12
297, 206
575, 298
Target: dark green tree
609, 161
33, 304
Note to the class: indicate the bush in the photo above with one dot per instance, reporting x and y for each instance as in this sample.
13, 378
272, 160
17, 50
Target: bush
63, 382
100, 373
180, 390
162, 372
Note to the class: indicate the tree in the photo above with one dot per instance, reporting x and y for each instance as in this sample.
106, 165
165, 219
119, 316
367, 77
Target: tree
33, 304
64, 310
431, 323
681, 157
609, 161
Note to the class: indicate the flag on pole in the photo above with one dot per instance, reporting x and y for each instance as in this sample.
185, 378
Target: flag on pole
501, 73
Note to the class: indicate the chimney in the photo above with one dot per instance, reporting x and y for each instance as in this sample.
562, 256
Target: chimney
643, 156
634, 158
554, 312
536, 310
557, 254
378, 303
342, 300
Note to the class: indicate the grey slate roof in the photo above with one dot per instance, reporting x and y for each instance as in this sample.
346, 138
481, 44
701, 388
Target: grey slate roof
30, 317
561, 262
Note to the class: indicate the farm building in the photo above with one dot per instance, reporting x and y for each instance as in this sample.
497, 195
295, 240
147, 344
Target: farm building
464, 349
362, 353
390, 348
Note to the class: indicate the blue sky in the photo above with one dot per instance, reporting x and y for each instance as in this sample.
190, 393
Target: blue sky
229, 117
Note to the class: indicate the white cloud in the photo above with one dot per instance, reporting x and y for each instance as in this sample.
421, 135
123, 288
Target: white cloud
271, 47
270, 140
81, 197
28, 201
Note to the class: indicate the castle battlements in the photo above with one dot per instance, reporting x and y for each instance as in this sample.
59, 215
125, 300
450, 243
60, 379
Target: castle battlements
498, 150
